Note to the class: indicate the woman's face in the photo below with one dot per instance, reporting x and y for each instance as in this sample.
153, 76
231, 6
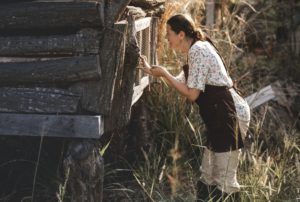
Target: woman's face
173, 38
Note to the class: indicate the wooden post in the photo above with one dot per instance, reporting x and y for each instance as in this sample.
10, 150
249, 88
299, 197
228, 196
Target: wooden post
84, 167
210, 12
114, 10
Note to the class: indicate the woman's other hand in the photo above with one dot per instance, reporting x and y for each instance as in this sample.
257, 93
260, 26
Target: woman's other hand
158, 71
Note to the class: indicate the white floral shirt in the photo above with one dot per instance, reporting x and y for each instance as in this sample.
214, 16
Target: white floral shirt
206, 67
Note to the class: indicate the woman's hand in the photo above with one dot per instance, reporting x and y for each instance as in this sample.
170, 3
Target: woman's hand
158, 71
155, 70
145, 65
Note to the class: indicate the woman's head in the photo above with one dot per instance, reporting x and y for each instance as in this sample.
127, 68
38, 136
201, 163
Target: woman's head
181, 27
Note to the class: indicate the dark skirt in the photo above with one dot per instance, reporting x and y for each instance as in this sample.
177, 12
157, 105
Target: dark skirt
218, 112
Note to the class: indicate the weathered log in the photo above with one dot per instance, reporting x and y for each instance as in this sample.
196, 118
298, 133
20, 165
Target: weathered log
97, 96
85, 41
113, 11
38, 100
85, 168
51, 125
136, 12
40, 17
147, 4
120, 114
51, 71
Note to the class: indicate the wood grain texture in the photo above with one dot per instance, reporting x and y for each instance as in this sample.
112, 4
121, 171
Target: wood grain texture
51, 125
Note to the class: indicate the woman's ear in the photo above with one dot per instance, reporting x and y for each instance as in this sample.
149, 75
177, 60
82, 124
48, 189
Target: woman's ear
181, 35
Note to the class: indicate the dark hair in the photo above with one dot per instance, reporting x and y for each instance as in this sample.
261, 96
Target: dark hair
184, 23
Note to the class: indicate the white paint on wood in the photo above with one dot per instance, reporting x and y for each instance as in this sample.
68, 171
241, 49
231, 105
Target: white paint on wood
260, 97
142, 23
138, 90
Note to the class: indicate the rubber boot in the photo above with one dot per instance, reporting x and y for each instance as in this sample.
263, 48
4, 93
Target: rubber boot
202, 192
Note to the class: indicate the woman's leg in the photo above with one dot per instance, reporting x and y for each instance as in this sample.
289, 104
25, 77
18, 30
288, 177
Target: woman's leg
206, 180
207, 167
225, 171
225, 165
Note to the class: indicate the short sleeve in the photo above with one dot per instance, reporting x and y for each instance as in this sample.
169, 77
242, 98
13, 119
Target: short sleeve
180, 77
198, 67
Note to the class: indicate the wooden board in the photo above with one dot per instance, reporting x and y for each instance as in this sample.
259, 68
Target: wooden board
142, 24
139, 89
85, 41
38, 100
70, 126
40, 17
51, 71
263, 95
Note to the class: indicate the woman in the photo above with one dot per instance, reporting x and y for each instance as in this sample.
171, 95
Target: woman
205, 81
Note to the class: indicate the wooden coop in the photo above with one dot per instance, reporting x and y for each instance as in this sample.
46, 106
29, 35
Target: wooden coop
68, 70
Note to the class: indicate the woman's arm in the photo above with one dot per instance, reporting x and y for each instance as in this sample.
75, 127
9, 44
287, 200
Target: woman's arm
159, 71
190, 93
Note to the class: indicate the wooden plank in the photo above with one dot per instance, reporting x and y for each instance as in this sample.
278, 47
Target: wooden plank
139, 89
260, 97
40, 17
142, 23
85, 41
70, 126
38, 100
51, 71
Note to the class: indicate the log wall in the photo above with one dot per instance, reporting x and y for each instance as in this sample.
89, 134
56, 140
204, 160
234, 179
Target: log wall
60, 58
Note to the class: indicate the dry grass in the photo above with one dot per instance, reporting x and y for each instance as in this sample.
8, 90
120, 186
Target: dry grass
269, 167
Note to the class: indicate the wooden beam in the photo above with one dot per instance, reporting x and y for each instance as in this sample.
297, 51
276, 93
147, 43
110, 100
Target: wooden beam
51, 125
139, 89
263, 95
40, 17
142, 24
85, 41
38, 100
121, 106
62, 70
114, 9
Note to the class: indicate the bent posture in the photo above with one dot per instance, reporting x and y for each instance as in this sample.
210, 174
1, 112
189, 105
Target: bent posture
205, 81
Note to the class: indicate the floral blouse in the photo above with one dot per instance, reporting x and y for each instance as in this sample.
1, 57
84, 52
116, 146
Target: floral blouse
206, 67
